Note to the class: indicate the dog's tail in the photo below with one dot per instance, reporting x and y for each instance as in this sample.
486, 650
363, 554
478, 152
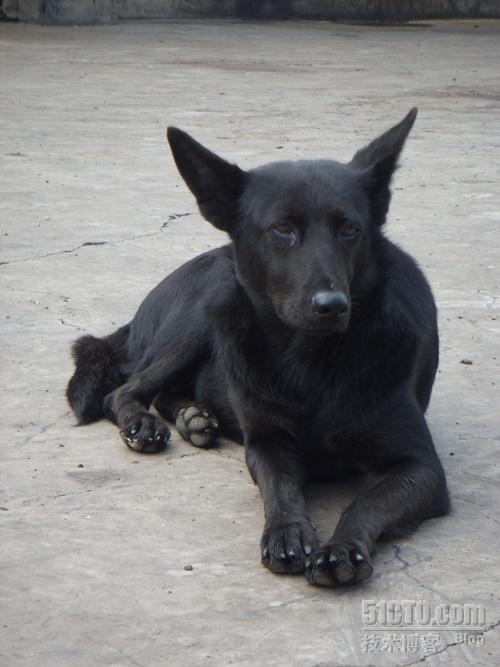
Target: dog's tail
99, 363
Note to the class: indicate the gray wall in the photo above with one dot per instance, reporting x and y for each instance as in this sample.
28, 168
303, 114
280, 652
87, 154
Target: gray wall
106, 11
369, 10
74, 12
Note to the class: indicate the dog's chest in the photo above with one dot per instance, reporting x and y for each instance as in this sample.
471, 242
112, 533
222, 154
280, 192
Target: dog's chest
319, 384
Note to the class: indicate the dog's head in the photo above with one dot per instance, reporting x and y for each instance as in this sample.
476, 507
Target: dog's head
302, 231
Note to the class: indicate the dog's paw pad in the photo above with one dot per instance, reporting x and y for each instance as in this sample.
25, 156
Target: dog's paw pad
338, 564
197, 425
146, 433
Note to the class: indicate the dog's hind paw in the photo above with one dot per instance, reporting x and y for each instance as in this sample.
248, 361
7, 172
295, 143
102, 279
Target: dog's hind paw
338, 564
146, 433
197, 425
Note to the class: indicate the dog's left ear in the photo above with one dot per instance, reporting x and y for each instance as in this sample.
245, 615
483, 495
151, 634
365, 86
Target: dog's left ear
377, 162
216, 184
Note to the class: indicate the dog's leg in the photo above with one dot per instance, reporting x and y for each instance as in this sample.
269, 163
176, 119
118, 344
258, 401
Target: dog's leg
128, 405
413, 489
289, 537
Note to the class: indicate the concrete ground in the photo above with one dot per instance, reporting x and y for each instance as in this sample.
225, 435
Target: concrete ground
96, 538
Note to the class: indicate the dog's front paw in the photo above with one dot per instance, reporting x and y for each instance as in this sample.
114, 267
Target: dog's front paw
285, 547
197, 425
145, 433
338, 564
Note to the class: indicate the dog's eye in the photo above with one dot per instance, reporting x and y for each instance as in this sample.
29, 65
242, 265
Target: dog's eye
349, 230
285, 231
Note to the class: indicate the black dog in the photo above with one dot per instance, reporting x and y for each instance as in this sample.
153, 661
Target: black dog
311, 337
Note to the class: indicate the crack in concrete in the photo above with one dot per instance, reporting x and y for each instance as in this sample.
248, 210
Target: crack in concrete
86, 244
407, 566
183, 456
282, 605
226, 456
68, 493
60, 252
73, 326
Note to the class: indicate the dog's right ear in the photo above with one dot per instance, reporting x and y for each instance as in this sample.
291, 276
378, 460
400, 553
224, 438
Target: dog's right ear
378, 161
216, 184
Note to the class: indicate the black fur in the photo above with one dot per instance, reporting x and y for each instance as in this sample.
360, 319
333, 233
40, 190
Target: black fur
99, 363
311, 337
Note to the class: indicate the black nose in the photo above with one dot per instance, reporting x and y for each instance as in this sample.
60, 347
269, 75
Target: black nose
330, 303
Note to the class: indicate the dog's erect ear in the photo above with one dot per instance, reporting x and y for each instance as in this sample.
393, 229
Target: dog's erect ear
216, 184
378, 161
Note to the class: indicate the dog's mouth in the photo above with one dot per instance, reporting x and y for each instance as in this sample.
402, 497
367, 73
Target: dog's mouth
317, 333
323, 325
330, 328
324, 331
